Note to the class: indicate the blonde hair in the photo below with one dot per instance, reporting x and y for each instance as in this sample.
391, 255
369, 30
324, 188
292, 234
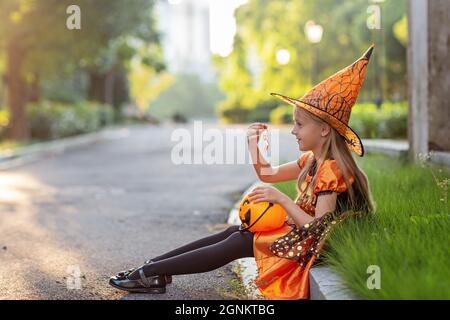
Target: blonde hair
335, 147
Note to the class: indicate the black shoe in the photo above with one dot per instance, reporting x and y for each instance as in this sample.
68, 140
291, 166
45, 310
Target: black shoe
152, 284
125, 273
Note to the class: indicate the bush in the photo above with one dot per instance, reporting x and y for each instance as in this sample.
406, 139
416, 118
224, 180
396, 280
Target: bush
4, 119
230, 111
391, 121
261, 112
281, 115
106, 115
49, 120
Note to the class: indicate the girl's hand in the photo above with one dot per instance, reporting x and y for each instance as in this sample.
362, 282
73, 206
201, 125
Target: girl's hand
266, 193
255, 129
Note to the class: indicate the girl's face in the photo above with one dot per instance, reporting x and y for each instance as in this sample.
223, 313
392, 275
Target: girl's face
309, 133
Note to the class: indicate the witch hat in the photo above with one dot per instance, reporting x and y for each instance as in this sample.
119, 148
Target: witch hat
332, 99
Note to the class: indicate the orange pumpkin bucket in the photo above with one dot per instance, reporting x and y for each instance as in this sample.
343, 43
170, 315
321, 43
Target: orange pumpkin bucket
261, 216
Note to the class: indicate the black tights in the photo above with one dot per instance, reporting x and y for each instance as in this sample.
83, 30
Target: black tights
203, 255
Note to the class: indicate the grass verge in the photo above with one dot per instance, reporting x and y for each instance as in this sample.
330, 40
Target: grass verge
407, 237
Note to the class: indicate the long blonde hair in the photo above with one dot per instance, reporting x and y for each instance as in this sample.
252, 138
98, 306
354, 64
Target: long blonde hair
335, 147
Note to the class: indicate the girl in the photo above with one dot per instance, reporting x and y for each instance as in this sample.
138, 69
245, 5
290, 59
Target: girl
328, 180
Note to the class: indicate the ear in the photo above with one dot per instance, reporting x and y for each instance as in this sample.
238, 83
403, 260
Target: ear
325, 129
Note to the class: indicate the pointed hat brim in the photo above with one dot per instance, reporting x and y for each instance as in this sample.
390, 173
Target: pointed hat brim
353, 141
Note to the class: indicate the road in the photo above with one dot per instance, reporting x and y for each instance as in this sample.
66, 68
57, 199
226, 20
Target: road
69, 222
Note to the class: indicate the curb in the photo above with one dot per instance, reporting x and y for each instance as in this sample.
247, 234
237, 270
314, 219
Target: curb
13, 158
325, 284
398, 148
386, 146
440, 157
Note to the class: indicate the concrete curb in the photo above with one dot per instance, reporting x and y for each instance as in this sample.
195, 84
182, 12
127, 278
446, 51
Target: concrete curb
397, 148
13, 158
386, 146
325, 284
440, 157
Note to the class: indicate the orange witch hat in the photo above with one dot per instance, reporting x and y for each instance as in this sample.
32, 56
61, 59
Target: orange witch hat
332, 99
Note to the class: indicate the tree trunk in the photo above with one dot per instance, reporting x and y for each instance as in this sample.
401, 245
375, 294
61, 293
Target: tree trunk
34, 94
109, 87
121, 93
96, 90
18, 125
439, 77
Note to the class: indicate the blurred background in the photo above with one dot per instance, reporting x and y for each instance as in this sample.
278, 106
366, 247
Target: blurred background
179, 60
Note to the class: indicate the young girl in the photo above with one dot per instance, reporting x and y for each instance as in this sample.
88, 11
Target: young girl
328, 180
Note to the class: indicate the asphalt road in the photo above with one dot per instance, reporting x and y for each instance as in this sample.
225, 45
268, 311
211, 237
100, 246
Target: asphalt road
69, 222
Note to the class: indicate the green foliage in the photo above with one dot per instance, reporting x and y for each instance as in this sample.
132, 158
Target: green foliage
62, 60
390, 121
231, 111
401, 31
50, 120
4, 119
99, 44
407, 237
264, 27
261, 112
282, 114
69, 90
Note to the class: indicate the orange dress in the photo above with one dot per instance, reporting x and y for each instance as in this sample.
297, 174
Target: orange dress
281, 278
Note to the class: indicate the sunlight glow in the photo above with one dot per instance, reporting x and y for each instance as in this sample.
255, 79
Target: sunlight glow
283, 56
223, 25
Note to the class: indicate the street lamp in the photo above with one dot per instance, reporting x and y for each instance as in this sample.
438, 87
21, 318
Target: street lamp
313, 31
314, 34
283, 56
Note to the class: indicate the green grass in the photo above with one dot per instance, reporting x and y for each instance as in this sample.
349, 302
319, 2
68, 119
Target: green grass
408, 236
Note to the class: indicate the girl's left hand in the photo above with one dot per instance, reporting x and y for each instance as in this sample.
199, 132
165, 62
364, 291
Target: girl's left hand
266, 193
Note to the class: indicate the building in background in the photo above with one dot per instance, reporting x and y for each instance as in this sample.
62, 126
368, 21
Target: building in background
185, 33
193, 30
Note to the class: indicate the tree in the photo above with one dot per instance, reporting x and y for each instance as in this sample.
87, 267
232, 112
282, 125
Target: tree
38, 46
264, 27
